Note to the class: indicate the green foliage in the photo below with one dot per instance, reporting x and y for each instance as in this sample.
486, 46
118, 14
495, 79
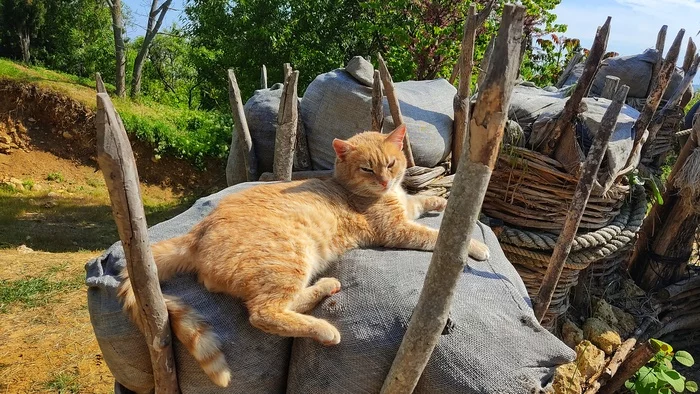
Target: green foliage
31, 292
55, 177
659, 376
22, 19
544, 63
64, 383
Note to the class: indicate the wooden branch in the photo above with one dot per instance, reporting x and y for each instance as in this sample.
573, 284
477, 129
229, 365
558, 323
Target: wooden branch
659, 85
285, 138
690, 52
286, 71
242, 155
610, 87
377, 103
395, 108
578, 204
467, 194
569, 68
298, 175
679, 288
461, 101
484, 64
99, 84
660, 43
566, 119
481, 18
116, 160
302, 157
659, 119
263, 77
637, 359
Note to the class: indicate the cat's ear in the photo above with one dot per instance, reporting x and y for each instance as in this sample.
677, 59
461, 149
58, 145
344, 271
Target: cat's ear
396, 136
342, 148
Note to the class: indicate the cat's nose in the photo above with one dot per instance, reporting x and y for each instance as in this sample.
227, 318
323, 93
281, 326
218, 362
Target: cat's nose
384, 182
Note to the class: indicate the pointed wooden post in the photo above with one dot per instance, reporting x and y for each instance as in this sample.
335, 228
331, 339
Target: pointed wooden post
578, 204
263, 77
394, 108
610, 87
116, 160
569, 68
377, 103
285, 138
242, 164
99, 84
460, 105
470, 183
690, 52
484, 64
660, 43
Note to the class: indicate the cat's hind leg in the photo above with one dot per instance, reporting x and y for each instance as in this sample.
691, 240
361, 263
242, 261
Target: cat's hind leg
275, 317
312, 295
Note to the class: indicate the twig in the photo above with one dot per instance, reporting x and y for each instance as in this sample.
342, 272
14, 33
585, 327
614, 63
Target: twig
467, 194
245, 156
637, 359
570, 111
263, 77
377, 103
461, 100
394, 108
578, 204
285, 138
610, 87
116, 160
481, 18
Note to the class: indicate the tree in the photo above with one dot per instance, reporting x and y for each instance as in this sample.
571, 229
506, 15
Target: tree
155, 20
23, 17
115, 8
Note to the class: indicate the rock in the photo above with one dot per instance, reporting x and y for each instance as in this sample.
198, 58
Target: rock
67, 135
631, 290
603, 311
567, 379
571, 334
31, 120
361, 70
23, 249
37, 187
50, 204
589, 359
601, 334
16, 183
53, 195
626, 323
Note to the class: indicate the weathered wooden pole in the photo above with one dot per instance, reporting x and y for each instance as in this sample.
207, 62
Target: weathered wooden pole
611, 83
394, 107
285, 138
377, 103
569, 68
660, 43
690, 52
481, 18
116, 160
470, 183
460, 105
484, 64
578, 204
565, 121
286, 71
659, 85
242, 164
263, 77
99, 84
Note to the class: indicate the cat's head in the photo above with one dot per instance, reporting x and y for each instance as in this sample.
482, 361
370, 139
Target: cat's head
370, 163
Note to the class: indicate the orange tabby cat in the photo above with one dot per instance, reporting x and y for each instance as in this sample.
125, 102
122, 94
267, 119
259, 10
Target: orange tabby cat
264, 244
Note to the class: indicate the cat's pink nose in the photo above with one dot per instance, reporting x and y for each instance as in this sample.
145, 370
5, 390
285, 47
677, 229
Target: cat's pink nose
384, 182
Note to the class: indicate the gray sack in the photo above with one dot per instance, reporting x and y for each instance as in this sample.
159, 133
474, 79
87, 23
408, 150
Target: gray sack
495, 345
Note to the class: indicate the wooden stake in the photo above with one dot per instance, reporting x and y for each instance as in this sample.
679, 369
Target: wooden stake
659, 85
394, 107
569, 68
578, 204
297, 175
287, 119
377, 103
481, 18
660, 43
566, 119
637, 359
116, 160
610, 87
99, 84
461, 100
302, 157
690, 51
484, 64
263, 77
286, 71
470, 183
242, 155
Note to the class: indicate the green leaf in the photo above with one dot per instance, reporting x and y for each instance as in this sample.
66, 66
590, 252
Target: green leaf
665, 390
691, 386
684, 358
674, 379
660, 201
630, 384
660, 346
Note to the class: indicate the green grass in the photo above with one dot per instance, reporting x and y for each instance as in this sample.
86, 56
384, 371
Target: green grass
63, 383
34, 291
189, 134
55, 177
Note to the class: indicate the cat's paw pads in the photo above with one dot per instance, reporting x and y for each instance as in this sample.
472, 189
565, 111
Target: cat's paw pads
479, 250
330, 286
437, 204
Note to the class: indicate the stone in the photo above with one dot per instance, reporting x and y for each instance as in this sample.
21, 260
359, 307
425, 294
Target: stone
602, 335
603, 311
589, 359
24, 249
626, 323
567, 379
67, 135
571, 334
53, 195
361, 70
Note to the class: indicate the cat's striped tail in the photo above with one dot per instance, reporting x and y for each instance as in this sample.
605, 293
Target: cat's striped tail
174, 256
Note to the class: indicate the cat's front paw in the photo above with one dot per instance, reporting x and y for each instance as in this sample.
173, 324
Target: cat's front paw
329, 286
478, 250
435, 204
326, 334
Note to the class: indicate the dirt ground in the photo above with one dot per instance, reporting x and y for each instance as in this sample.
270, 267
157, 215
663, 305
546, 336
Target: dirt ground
54, 217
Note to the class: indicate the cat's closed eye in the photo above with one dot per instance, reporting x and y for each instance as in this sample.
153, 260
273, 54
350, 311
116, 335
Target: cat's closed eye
391, 164
365, 169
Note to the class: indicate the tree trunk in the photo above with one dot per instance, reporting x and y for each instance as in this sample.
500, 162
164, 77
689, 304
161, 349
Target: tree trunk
24, 41
115, 7
155, 20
